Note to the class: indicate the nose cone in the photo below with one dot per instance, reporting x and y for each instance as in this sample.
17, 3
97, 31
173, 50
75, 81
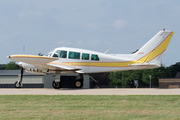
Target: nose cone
8, 57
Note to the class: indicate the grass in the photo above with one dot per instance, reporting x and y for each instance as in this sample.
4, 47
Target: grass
90, 107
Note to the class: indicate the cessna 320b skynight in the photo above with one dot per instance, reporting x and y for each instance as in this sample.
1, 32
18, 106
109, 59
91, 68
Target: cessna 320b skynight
72, 60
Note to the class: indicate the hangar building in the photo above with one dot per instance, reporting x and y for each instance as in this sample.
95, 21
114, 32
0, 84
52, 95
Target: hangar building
170, 82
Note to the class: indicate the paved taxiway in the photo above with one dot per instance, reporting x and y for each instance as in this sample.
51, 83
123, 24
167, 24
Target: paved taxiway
118, 91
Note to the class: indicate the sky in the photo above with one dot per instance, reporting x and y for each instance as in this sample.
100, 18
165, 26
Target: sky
123, 26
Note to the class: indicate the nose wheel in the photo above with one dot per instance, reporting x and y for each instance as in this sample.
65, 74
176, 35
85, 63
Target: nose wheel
18, 84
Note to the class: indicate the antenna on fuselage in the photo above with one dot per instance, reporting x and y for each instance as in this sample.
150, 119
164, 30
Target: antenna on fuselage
106, 51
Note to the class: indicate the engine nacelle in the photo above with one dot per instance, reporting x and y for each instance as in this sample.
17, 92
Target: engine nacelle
33, 69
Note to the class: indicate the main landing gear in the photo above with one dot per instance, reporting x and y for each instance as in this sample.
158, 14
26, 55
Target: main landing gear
57, 83
18, 84
79, 82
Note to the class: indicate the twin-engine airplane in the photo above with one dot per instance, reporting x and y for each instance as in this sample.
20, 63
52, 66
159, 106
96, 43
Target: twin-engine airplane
72, 60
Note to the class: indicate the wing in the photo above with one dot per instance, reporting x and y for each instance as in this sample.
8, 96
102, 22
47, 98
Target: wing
43, 62
31, 59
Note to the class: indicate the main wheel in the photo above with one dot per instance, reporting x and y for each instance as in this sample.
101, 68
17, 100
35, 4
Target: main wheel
56, 85
18, 84
78, 83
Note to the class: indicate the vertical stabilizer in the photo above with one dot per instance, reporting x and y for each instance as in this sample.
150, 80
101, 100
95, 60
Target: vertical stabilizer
153, 50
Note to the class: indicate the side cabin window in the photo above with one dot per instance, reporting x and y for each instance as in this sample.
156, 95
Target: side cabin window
74, 55
85, 56
94, 57
60, 54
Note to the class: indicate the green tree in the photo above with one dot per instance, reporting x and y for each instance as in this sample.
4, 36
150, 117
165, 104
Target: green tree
116, 79
2, 67
174, 69
11, 66
125, 78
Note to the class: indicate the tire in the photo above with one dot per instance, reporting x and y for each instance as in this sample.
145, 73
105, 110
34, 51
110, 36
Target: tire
56, 85
78, 84
18, 84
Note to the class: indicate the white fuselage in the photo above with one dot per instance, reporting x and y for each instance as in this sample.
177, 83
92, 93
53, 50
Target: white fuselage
106, 62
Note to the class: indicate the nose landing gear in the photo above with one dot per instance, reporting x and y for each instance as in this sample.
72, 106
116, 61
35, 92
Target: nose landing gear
18, 84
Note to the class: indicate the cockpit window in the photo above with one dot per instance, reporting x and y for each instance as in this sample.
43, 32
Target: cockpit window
60, 54
94, 57
74, 55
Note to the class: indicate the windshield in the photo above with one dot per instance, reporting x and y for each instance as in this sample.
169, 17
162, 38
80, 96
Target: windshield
60, 54
48, 54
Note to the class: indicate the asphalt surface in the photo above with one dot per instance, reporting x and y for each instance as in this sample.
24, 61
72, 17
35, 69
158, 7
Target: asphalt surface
100, 91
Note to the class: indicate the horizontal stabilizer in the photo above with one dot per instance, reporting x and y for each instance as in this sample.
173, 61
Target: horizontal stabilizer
146, 64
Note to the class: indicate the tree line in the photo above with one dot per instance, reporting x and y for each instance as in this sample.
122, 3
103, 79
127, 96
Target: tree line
10, 66
124, 78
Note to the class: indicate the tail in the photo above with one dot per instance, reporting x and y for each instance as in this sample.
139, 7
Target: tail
151, 53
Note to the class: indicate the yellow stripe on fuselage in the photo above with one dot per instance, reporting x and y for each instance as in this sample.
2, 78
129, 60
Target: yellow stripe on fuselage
104, 64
